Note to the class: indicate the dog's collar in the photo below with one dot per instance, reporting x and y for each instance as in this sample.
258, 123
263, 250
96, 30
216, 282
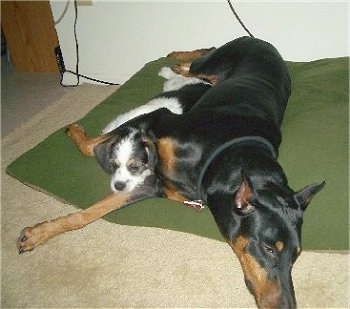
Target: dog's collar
222, 147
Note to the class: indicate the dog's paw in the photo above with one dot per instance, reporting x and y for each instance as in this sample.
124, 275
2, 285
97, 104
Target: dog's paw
184, 55
190, 55
74, 127
178, 55
182, 69
74, 130
31, 237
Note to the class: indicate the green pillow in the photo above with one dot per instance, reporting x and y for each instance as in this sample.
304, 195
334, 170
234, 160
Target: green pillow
314, 148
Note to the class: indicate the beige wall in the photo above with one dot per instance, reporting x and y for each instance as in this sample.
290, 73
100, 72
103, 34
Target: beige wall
116, 38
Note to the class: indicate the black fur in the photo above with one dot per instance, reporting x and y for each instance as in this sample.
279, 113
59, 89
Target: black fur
244, 186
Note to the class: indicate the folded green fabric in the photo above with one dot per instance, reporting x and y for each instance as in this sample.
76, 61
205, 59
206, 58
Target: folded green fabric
314, 148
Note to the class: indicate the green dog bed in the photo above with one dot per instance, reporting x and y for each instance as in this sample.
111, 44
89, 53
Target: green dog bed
314, 148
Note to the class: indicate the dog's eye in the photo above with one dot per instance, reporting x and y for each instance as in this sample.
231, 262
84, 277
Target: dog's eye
269, 249
114, 165
133, 168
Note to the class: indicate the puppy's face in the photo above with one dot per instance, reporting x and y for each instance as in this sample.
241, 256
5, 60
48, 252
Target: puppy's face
127, 157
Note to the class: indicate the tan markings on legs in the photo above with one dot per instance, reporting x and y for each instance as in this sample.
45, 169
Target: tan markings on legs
211, 79
267, 293
184, 70
172, 194
85, 145
32, 237
166, 150
189, 55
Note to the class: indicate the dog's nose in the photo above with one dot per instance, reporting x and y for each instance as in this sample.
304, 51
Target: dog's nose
119, 186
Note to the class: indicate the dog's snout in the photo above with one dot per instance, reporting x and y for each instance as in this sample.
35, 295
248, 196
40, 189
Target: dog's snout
249, 285
119, 186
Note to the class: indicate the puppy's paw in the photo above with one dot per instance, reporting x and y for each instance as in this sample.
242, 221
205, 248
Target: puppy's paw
75, 126
74, 129
31, 237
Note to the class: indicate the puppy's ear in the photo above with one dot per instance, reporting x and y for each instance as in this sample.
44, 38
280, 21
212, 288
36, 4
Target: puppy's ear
101, 152
151, 149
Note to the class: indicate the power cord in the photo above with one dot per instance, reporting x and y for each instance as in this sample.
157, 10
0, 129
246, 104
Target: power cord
239, 20
109, 83
77, 57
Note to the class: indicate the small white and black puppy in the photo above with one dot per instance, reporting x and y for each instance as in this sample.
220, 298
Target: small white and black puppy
129, 156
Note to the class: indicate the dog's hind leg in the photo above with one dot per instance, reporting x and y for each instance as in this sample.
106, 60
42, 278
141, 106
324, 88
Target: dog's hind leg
184, 70
32, 237
85, 144
190, 55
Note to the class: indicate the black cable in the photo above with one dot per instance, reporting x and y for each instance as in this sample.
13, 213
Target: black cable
239, 20
76, 41
109, 83
77, 56
76, 49
90, 78
59, 19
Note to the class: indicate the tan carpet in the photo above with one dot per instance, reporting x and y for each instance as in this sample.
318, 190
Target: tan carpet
107, 265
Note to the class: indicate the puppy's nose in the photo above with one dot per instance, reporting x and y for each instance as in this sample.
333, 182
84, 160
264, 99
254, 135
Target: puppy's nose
119, 186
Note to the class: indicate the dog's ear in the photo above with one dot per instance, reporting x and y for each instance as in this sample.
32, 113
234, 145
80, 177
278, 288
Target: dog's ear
244, 195
305, 195
150, 148
101, 152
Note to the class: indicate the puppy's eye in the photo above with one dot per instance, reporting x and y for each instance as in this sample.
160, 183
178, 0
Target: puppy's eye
133, 168
114, 165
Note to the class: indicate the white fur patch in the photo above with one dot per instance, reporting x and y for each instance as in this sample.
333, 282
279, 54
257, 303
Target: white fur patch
171, 104
177, 81
124, 150
167, 73
174, 82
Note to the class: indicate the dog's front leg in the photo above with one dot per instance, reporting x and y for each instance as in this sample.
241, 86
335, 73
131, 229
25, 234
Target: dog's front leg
85, 144
32, 237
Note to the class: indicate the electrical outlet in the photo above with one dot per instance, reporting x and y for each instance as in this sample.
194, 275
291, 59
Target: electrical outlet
84, 2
